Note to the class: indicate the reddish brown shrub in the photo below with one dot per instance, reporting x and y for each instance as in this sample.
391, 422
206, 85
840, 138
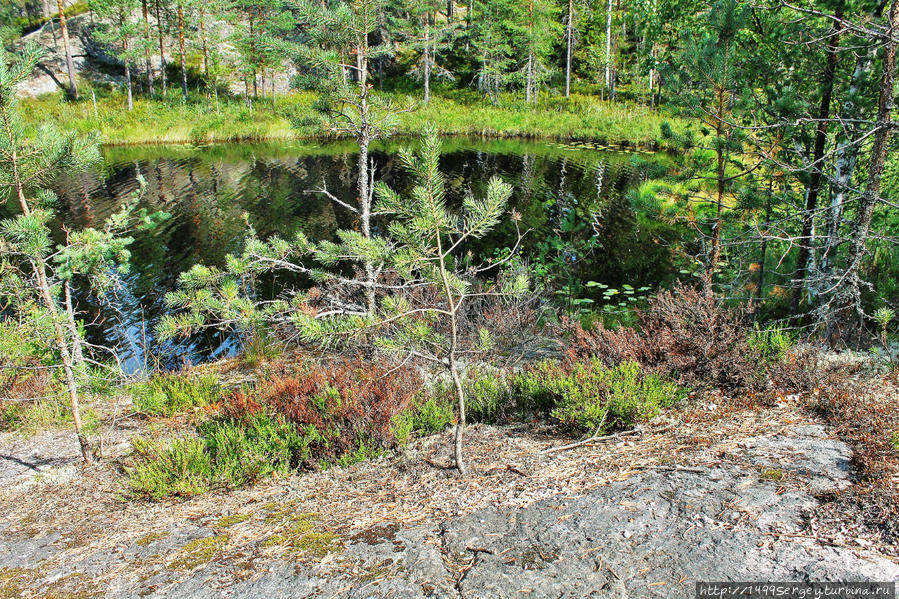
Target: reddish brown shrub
686, 334
340, 407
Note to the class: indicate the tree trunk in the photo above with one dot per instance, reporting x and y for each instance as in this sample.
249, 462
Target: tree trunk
147, 47
70, 65
253, 52
45, 9
183, 52
161, 49
568, 46
806, 243
848, 308
40, 271
609, 46
449, 11
205, 50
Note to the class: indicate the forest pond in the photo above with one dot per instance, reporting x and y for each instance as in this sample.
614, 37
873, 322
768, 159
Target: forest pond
564, 192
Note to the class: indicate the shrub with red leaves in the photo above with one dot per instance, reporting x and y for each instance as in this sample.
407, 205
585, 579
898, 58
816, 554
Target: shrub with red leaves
341, 407
686, 334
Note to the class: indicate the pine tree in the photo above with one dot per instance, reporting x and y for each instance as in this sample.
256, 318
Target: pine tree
337, 35
39, 273
118, 30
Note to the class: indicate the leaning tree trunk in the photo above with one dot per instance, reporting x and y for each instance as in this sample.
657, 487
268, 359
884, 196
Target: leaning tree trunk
848, 308
806, 243
147, 47
70, 65
183, 53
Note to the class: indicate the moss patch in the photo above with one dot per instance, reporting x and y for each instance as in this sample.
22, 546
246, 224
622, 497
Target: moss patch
227, 521
198, 552
14, 581
145, 540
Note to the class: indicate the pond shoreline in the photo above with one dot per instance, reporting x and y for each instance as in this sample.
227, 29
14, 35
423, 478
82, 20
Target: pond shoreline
623, 145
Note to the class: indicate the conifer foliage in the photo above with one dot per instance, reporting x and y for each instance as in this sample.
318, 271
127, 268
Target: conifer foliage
35, 276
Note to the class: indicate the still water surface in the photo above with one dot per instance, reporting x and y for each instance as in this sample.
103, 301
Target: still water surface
208, 190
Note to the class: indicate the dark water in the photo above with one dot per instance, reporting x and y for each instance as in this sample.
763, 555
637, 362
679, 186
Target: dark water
207, 190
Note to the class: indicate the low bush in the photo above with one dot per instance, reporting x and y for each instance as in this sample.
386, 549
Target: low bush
167, 394
227, 454
306, 416
592, 397
685, 334
339, 407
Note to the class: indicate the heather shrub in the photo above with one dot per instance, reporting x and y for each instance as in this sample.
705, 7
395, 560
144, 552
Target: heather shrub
685, 334
429, 414
338, 408
227, 454
167, 394
590, 396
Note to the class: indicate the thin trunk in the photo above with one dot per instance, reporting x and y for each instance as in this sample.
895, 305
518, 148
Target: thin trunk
760, 283
530, 95
844, 166
453, 306
147, 47
40, 270
128, 85
253, 52
609, 46
70, 65
849, 302
183, 52
568, 46
449, 11
806, 242
45, 9
205, 50
364, 184
161, 50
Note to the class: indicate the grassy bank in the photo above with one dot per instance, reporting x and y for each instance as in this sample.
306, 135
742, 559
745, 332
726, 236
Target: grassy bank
292, 117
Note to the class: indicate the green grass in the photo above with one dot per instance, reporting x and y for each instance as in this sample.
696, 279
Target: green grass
291, 117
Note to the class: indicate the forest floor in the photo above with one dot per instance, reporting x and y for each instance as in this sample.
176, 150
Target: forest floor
715, 489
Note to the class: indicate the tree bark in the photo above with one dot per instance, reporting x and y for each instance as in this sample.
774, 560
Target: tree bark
147, 47
205, 50
183, 52
814, 187
849, 309
609, 46
161, 49
427, 59
70, 65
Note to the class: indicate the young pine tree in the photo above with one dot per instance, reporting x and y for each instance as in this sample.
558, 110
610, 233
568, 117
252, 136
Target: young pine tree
38, 274
431, 282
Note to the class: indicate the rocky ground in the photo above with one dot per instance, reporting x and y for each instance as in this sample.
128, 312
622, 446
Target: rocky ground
709, 493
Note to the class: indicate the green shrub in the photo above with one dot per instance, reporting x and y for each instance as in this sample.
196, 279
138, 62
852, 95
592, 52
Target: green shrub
770, 345
183, 469
252, 448
430, 415
229, 453
590, 396
488, 396
169, 394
